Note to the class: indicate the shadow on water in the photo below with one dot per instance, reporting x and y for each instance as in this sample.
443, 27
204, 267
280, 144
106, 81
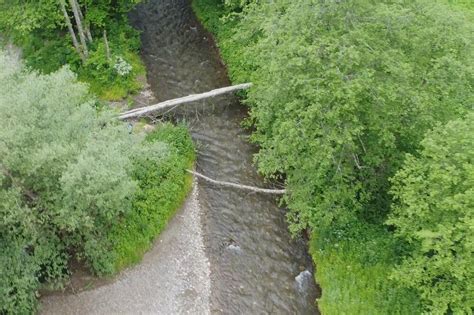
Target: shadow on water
255, 265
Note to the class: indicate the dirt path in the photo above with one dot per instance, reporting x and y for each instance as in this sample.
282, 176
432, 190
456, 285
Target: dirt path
173, 277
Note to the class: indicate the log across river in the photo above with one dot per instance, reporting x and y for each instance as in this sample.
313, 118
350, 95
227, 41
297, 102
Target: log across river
255, 267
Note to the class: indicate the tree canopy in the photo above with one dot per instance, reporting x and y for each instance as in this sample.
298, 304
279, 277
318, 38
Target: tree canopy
434, 211
338, 104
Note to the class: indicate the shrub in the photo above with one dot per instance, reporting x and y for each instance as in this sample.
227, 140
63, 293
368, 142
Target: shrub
162, 187
462, 4
114, 78
18, 267
434, 211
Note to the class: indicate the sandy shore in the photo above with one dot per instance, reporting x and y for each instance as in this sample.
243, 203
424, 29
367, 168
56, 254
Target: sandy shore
173, 278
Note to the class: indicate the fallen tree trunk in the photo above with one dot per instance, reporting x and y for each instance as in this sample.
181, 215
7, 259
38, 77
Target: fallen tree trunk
239, 186
137, 112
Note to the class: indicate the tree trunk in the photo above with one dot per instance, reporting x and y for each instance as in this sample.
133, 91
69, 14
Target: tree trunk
87, 26
88, 33
80, 29
137, 112
62, 3
107, 48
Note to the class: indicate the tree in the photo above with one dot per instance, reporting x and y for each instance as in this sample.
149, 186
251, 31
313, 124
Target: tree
434, 211
338, 104
342, 91
65, 180
62, 4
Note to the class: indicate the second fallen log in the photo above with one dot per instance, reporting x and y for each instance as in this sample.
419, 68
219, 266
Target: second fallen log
239, 186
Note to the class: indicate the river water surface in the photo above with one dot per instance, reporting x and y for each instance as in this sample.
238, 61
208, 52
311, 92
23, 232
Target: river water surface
256, 268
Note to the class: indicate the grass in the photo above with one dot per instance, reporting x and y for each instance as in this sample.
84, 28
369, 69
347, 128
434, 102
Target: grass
163, 186
463, 4
354, 274
116, 89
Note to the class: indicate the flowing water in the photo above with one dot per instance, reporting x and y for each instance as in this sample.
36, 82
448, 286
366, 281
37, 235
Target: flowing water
255, 265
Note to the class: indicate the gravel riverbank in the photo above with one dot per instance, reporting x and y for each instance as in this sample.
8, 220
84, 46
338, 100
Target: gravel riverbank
173, 278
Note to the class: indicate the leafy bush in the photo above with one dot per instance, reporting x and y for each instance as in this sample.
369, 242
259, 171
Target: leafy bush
163, 185
18, 267
434, 211
47, 45
463, 4
342, 91
68, 175
106, 79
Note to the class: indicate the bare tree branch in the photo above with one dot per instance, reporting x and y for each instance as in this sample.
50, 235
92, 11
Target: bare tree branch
86, 26
107, 48
356, 160
239, 186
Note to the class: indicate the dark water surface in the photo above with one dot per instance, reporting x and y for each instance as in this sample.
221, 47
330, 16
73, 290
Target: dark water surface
256, 268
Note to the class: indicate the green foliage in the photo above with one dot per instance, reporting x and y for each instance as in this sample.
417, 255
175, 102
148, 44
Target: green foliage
68, 176
39, 28
105, 80
354, 276
342, 91
338, 104
19, 18
218, 19
434, 211
18, 268
463, 4
163, 185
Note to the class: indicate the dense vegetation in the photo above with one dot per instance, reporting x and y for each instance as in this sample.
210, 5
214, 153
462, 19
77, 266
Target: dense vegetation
92, 36
463, 4
343, 91
75, 184
163, 185
433, 211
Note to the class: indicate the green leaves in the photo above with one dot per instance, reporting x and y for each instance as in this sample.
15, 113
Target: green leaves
434, 210
163, 185
39, 28
343, 90
68, 178
19, 18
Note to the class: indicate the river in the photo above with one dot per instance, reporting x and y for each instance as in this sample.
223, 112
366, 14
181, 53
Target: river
254, 261
255, 265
